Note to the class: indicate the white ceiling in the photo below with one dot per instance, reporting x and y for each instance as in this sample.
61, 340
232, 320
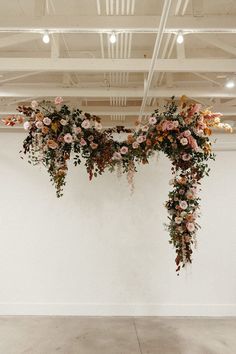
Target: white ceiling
82, 65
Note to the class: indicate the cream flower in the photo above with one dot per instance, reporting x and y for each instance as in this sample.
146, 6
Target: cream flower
34, 104
140, 139
135, 145
186, 157
178, 220
47, 121
184, 141
187, 133
63, 122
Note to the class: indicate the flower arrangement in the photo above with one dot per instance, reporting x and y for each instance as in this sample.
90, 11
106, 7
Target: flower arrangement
56, 134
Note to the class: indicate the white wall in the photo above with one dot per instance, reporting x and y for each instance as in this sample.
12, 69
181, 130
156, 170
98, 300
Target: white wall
100, 251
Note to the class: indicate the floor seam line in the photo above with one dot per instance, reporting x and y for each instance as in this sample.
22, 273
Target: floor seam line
136, 332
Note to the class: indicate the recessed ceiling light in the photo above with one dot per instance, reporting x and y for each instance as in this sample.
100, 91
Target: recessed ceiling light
230, 84
112, 38
180, 38
46, 38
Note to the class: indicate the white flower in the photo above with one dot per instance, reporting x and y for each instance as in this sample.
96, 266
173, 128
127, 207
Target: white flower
145, 128
171, 181
26, 125
183, 204
178, 220
98, 126
135, 145
116, 156
34, 104
124, 150
190, 226
184, 141
63, 122
47, 121
152, 120
68, 138
187, 133
85, 124
39, 124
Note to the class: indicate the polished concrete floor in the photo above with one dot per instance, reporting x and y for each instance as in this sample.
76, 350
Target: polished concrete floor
117, 335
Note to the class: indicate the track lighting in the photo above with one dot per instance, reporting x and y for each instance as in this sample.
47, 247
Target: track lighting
180, 37
46, 38
112, 38
230, 84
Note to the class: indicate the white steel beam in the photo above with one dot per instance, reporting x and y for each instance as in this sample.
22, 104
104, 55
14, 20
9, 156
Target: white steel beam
39, 91
91, 24
92, 65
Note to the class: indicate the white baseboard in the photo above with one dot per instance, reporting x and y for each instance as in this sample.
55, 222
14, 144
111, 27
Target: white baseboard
110, 309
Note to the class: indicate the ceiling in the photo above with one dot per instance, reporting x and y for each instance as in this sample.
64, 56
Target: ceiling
130, 78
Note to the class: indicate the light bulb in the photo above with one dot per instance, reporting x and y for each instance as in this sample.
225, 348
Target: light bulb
230, 84
112, 38
46, 38
180, 38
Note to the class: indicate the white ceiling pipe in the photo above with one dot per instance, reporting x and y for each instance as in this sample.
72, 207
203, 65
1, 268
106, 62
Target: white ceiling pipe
164, 16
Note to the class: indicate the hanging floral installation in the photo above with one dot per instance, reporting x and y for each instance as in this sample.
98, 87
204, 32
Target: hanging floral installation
57, 134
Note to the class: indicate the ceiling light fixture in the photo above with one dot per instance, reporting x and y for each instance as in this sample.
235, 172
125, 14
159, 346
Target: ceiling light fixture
46, 38
230, 84
113, 38
180, 37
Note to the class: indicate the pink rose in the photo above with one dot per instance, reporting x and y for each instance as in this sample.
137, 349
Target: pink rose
135, 145
124, 150
58, 100
83, 142
26, 125
85, 124
140, 139
68, 138
190, 226
170, 125
34, 104
164, 124
183, 204
196, 108
116, 156
39, 124
186, 157
187, 133
193, 143
184, 141
152, 120
77, 130
47, 121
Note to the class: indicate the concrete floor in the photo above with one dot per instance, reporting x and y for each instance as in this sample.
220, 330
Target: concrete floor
117, 335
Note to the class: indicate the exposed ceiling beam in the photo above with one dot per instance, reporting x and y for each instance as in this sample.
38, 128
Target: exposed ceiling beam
34, 91
16, 39
90, 24
91, 65
127, 111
